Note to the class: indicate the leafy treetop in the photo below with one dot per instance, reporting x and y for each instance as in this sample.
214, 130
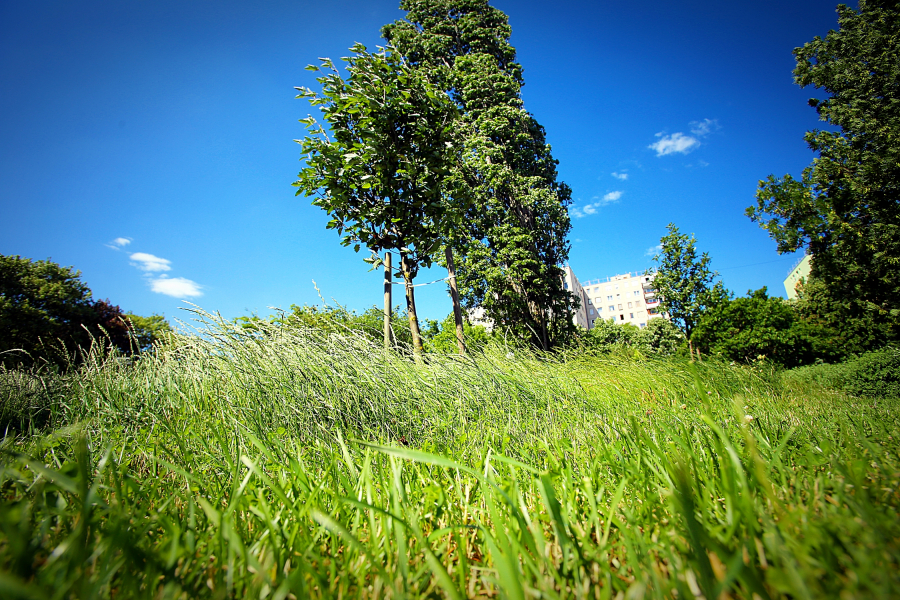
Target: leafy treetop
846, 206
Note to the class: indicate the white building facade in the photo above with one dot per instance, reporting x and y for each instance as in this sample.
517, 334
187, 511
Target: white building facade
629, 298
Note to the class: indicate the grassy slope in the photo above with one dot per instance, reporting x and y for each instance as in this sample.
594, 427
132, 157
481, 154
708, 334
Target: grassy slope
317, 466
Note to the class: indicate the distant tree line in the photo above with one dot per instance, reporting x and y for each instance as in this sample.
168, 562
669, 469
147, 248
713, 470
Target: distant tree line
48, 316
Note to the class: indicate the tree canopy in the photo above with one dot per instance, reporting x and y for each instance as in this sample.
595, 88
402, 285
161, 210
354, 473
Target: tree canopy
754, 328
845, 207
48, 316
512, 241
384, 171
684, 280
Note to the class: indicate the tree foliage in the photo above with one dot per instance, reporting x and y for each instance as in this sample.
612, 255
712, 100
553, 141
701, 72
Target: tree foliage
148, 331
757, 327
441, 336
843, 327
512, 242
48, 315
384, 171
659, 338
846, 205
684, 281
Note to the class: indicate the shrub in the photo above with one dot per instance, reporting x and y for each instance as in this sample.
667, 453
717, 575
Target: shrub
874, 374
871, 375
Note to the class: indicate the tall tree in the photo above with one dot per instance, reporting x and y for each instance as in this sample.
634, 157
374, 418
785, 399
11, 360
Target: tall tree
846, 205
384, 171
512, 242
684, 281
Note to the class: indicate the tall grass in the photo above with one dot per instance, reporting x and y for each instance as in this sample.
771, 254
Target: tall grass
294, 463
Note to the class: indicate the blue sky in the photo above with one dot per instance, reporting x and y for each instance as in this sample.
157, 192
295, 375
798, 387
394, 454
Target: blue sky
168, 126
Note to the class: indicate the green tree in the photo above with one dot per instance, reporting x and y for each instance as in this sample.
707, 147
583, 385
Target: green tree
839, 329
47, 315
383, 173
442, 336
659, 337
844, 208
684, 281
754, 328
148, 331
606, 335
512, 242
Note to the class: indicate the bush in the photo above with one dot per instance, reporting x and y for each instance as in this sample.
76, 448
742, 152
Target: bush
875, 374
871, 375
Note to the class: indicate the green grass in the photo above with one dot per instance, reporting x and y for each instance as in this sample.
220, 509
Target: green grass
298, 463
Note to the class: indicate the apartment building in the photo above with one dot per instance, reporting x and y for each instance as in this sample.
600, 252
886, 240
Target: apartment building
799, 272
629, 298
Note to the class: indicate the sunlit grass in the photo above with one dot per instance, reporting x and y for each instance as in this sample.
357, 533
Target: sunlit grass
299, 463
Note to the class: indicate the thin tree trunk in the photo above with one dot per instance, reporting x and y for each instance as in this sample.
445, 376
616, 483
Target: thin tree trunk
454, 295
411, 306
387, 300
691, 349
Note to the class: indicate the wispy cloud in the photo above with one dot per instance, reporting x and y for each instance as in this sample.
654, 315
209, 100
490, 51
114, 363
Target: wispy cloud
177, 287
623, 175
593, 207
705, 127
154, 268
653, 250
612, 197
677, 143
119, 243
148, 262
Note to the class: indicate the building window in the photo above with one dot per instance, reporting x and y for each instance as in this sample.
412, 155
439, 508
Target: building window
609, 297
566, 285
592, 312
629, 305
599, 308
612, 308
642, 325
621, 317
609, 288
630, 315
636, 292
620, 307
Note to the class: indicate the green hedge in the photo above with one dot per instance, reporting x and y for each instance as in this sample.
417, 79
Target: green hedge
871, 375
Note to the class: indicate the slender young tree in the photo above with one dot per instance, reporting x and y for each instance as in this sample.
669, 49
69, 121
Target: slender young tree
684, 281
512, 241
382, 171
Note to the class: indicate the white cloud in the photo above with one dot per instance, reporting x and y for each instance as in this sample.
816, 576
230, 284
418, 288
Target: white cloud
653, 250
672, 144
705, 127
177, 287
148, 262
119, 243
623, 176
612, 197
593, 207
